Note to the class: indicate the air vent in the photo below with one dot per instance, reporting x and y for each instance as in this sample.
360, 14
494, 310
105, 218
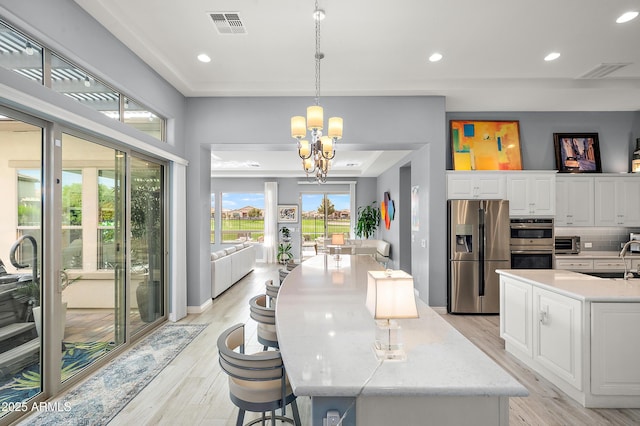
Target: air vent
228, 22
603, 70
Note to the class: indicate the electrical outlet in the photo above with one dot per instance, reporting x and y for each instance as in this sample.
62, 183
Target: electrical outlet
333, 418
588, 245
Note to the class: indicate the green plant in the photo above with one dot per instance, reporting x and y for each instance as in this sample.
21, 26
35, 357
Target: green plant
29, 291
284, 253
367, 220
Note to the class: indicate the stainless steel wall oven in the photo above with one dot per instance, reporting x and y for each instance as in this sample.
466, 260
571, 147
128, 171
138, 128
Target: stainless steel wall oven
531, 243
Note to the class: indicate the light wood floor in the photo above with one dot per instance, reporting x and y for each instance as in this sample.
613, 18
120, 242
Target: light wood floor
192, 390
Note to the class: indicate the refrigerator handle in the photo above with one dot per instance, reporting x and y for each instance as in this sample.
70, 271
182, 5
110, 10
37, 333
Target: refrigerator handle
481, 247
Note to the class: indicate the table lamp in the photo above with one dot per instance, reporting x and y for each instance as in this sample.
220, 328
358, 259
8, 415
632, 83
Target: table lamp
337, 240
390, 296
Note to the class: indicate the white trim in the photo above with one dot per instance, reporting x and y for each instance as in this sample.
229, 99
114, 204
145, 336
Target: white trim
329, 182
178, 242
200, 309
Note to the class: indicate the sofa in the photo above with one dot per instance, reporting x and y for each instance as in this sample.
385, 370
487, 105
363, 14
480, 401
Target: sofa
379, 249
228, 266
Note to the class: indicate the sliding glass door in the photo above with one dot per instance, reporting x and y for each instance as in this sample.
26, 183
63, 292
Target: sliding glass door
324, 214
82, 255
21, 143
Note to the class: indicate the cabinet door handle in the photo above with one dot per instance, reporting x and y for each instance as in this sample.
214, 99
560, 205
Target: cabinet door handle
543, 316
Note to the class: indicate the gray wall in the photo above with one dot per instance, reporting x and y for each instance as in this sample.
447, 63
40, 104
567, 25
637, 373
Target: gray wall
411, 122
617, 132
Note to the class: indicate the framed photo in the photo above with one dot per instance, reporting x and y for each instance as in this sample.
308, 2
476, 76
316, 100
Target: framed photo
287, 213
485, 145
577, 152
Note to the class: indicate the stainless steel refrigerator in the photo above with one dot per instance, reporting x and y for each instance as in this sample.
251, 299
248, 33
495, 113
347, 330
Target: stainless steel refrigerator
478, 245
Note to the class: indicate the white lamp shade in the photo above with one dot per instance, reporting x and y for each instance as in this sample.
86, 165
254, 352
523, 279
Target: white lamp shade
298, 127
337, 239
307, 164
315, 116
335, 127
390, 295
305, 149
327, 145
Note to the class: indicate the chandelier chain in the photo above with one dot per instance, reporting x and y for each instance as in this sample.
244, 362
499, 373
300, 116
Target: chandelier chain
318, 54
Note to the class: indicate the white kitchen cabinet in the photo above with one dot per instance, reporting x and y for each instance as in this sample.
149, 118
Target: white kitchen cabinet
615, 345
475, 185
617, 201
608, 264
557, 335
515, 314
574, 264
574, 201
531, 194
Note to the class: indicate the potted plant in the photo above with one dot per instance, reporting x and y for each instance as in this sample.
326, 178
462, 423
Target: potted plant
286, 234
368, 218
284, 253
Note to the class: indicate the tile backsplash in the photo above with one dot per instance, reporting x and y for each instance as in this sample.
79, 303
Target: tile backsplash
601, 239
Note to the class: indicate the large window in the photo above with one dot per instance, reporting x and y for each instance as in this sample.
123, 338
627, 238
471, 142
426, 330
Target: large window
325, 214
242, 217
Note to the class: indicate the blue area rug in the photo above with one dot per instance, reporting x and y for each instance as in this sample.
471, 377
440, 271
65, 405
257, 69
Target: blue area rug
98, 399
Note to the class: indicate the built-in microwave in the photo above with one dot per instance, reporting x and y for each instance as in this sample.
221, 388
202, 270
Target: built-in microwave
567, 244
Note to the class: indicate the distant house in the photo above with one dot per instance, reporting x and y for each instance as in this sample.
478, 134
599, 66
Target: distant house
244, 212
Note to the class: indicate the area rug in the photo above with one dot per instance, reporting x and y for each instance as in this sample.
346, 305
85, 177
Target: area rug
99, 398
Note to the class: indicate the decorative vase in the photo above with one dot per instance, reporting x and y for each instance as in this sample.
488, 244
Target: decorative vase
147, 297
37, 318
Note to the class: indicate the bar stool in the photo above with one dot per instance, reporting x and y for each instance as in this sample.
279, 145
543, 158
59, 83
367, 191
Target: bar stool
266, 319
257, 382
271, 290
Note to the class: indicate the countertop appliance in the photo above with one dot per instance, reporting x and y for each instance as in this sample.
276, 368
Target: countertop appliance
634, 248
567, 244
478, 244
532, 243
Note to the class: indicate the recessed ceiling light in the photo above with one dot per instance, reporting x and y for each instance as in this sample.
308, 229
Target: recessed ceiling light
626, 17
203, 57
435, 57
552, 56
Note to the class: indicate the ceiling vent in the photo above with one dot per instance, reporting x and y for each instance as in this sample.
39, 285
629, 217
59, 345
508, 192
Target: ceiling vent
603, 70
228, 23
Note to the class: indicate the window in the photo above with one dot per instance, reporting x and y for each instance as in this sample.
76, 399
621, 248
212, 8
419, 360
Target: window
71, 219
26, 57
325, 214
213, 218
242, 217
106, 219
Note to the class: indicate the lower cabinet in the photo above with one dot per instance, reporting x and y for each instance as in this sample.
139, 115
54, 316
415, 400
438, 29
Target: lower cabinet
545, 326
557, 335
615, 348
515, 314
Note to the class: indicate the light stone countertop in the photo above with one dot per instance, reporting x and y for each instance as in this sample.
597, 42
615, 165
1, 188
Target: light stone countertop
326, 337
579, 286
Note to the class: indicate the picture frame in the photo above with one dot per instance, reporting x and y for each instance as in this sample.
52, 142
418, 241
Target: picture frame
287, 213
577, 152
485, 144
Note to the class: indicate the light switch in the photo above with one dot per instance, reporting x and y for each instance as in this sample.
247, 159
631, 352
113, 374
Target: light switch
423, 243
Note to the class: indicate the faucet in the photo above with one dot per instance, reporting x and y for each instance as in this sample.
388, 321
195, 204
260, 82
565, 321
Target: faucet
623, 252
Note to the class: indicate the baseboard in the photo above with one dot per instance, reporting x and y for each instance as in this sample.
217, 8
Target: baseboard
440, 309
200, 309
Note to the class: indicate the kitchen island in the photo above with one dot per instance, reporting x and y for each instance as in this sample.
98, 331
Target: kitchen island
580, 332
326, 337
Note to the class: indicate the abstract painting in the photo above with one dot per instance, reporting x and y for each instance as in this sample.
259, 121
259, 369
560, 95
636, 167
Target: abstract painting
485, 145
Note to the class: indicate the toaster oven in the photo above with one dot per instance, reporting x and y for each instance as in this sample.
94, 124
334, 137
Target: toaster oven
567, 244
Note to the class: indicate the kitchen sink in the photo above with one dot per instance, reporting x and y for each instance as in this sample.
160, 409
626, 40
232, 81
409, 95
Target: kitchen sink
608, 274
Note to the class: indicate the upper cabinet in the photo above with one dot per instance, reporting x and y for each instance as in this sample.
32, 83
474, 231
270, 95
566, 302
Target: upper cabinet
531, 194
574, 201
617, 201
464, 185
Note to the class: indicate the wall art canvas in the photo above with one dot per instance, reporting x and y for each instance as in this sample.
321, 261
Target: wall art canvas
387, 210
415, 198
577, 152
287, 213
485, 145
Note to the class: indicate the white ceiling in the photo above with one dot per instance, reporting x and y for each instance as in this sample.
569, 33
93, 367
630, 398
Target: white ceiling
493, 55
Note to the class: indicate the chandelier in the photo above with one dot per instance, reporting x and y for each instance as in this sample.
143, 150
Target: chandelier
317, 153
